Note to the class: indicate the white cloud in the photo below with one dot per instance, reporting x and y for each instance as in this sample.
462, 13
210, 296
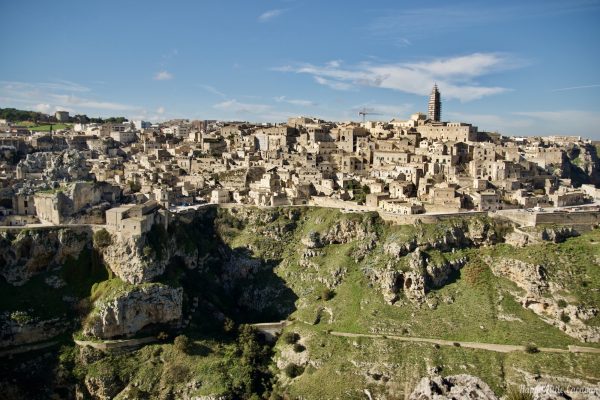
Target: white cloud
242, 108
163, 76
213, 90
58, 85
43, 107
577, 87
336, 85
78, 102
561, 122
269, 15
296, 102
160, 110
456, 76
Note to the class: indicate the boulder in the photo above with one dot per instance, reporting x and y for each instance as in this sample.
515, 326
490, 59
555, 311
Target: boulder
451, 388
129, 311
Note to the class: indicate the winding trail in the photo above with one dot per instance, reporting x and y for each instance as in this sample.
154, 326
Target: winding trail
500, 348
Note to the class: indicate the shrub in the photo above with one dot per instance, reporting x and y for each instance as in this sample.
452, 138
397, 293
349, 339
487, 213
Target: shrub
177, 373
327, 294
298, 348
162, 336
102, 238
562, 303
21, 317
290, 337
531, 348
147, 251
293, 370
182, 344
564, 317
456, 344
228, 325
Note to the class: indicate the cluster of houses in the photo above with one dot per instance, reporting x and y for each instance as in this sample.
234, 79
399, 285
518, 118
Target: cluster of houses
409, 166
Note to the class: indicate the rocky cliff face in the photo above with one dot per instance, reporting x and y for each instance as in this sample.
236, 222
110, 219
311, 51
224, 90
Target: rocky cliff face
520, 238
29, 252
422, 275
135, 260
127, 312
544, 298
16, 331
452, 387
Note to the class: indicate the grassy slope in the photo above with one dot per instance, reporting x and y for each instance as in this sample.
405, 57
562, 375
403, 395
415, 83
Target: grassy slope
478, 298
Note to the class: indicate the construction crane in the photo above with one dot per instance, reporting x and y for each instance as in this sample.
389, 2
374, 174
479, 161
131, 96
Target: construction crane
365, 111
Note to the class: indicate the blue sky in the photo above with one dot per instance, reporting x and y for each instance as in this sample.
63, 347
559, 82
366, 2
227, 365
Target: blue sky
517, 67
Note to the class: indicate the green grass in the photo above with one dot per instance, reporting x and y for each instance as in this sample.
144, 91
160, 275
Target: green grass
46, 128
403, 365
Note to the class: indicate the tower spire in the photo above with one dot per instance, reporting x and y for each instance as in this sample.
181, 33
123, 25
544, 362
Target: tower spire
435, 105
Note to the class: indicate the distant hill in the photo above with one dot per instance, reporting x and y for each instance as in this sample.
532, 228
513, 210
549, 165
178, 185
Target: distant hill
15, 115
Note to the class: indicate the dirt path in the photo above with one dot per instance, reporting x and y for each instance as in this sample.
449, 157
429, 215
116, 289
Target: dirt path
27, 347
500, 348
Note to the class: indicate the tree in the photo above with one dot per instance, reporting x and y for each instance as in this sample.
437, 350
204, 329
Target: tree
182, 344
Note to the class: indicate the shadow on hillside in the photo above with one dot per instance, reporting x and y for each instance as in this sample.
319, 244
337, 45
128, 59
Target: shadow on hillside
228, 282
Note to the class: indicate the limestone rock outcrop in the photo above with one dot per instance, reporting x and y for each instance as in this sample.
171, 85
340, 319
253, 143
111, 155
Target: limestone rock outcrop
15, 332
422, 275
520, 238
466, 233
529, 277
452, 387
543, 298
129, 311
29, 252
134, 261
345, 231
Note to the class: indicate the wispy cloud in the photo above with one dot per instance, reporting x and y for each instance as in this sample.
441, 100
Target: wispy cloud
78, 102
163, 76
576, 87
456, 76
335, 85
213, 90
269, 15
242, 108
50, 96
57, 85
296, 102
422, 22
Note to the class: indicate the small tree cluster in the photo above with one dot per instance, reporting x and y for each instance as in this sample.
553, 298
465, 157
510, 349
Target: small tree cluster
327, 294
102, 238
293, 370
290, 337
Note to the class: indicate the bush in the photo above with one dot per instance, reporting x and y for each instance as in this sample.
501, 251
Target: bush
562, 303
564, 317
102, 238
293, 370
327, 294
531, 348
456, 344
182, 344
298, 348
147, 251
290, 337
177, 373
228, 325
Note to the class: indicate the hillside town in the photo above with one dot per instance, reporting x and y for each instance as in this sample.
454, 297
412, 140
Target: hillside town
84, 173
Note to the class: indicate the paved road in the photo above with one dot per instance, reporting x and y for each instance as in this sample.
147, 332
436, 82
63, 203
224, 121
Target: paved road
500, 348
